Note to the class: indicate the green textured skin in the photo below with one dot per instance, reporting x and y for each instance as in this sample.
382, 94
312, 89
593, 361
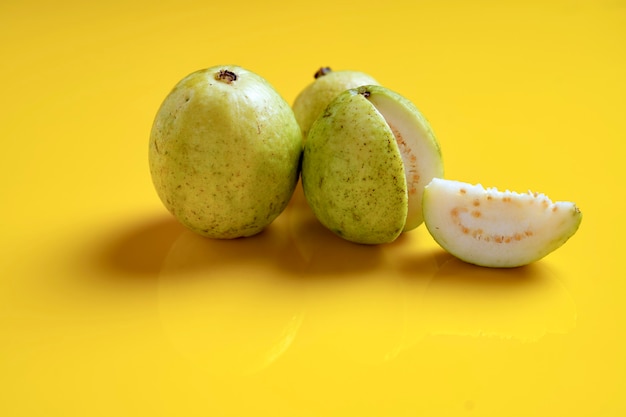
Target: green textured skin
352, 172
315, 97
224, 157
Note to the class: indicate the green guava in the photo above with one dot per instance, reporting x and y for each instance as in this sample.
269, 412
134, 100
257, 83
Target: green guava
492, 228
328, 84
224, 152
366, 161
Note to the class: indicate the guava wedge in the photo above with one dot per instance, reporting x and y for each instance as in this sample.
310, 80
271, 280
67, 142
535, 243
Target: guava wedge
501, 229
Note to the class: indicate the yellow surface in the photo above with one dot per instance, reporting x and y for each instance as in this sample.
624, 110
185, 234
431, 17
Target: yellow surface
109, 308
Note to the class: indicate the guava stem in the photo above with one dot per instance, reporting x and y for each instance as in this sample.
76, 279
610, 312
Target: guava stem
322, 71
226, 76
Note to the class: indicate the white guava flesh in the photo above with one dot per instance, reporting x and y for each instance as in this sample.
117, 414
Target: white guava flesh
419, 149
492, 228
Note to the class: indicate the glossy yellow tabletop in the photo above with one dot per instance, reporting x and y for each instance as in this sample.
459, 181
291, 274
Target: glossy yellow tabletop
109, 307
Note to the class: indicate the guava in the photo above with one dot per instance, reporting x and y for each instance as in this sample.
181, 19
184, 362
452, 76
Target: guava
366, 161
492, 228
224, 152
328, 84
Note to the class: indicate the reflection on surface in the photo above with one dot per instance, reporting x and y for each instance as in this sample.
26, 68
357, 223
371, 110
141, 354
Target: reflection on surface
356, 308
237, 307
222, 304
523, 303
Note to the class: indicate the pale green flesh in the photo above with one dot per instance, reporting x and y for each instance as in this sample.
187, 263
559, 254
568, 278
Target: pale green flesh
420, 151
495, 228
352, 172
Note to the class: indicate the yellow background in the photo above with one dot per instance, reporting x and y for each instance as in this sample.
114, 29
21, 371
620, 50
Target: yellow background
109, 308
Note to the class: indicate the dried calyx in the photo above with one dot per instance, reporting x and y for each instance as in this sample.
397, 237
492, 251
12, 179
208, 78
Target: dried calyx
322, 71
226, 76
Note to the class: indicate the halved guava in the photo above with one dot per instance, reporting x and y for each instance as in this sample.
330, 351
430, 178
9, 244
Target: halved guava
492, 228
366, 161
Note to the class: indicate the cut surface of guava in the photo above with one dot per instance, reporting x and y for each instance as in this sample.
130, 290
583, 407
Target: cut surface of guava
418, 148
492, 228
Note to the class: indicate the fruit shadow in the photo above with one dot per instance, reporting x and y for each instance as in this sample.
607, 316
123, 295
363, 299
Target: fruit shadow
137, 249
266, 253
326, 254
462, 274
417, 260
140, 250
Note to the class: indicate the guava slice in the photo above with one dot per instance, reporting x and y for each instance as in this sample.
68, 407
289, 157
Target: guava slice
492, 228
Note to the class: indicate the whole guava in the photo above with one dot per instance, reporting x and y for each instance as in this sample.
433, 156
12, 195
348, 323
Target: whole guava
224, 152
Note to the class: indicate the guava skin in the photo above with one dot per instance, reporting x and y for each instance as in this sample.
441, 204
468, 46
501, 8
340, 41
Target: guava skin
328, 84
224, 152
352, 172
